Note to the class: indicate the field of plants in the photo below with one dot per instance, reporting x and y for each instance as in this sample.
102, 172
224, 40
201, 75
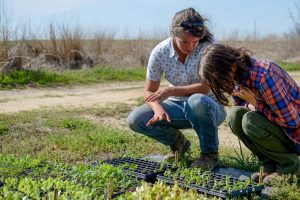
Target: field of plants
59, 153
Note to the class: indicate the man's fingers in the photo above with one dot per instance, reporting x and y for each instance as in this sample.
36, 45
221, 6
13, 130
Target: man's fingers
160, 117
150, 122
152, 98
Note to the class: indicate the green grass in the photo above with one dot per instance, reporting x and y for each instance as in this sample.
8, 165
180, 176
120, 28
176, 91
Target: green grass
290, 66
83, 76
4, 128
98, 74
77, 123
81, 136
88, 134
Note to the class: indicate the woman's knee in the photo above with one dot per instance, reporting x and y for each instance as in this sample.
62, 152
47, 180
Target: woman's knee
234, 119
252, 125
138, 118
235, 114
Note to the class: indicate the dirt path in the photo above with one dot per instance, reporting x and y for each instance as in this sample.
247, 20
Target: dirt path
78, 96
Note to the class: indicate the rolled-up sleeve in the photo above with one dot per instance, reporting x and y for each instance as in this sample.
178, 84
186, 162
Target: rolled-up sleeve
154, 69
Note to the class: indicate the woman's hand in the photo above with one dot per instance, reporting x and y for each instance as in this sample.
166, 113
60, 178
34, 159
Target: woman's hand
246, 94
159, 116
250, 107
160, 95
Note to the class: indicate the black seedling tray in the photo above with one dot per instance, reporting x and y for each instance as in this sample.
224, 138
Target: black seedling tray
209, 188
146, 170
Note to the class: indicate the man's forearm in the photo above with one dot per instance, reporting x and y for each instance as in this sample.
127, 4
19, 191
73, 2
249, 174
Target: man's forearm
154, 105
189, 89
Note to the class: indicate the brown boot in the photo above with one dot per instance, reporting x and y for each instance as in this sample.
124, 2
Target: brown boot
181, 145
206, 161
271, 178
255, 176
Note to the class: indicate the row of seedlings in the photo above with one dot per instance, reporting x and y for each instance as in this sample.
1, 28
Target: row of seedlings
39, 180
210, 183
140, 168
205, 182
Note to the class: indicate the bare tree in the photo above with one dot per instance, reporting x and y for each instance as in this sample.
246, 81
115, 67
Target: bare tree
295, 16
4, 31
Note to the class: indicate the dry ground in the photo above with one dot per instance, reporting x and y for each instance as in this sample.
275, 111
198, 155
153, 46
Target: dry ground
77, 96
86, 96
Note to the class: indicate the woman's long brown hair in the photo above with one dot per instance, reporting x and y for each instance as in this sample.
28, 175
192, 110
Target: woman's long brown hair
217, 68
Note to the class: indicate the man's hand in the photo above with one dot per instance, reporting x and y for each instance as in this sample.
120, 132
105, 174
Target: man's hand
160, 95
159, 116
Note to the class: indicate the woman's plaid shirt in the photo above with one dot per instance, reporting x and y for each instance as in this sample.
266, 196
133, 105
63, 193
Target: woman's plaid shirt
277, 94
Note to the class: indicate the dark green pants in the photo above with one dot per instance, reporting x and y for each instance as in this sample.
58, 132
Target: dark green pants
265, 139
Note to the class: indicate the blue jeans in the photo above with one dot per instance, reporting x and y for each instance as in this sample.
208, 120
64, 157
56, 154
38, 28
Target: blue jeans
199, 112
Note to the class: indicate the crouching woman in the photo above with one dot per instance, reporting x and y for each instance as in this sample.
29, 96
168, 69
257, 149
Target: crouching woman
267, 116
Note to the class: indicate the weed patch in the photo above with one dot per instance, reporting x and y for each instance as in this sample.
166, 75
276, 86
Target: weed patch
97, 74
4, 128
66, 135
285, 188
75, 123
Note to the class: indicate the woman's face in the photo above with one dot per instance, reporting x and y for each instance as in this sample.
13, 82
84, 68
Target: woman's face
186, 43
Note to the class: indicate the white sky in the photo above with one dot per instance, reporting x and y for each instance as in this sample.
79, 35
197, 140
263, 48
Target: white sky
128, 17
